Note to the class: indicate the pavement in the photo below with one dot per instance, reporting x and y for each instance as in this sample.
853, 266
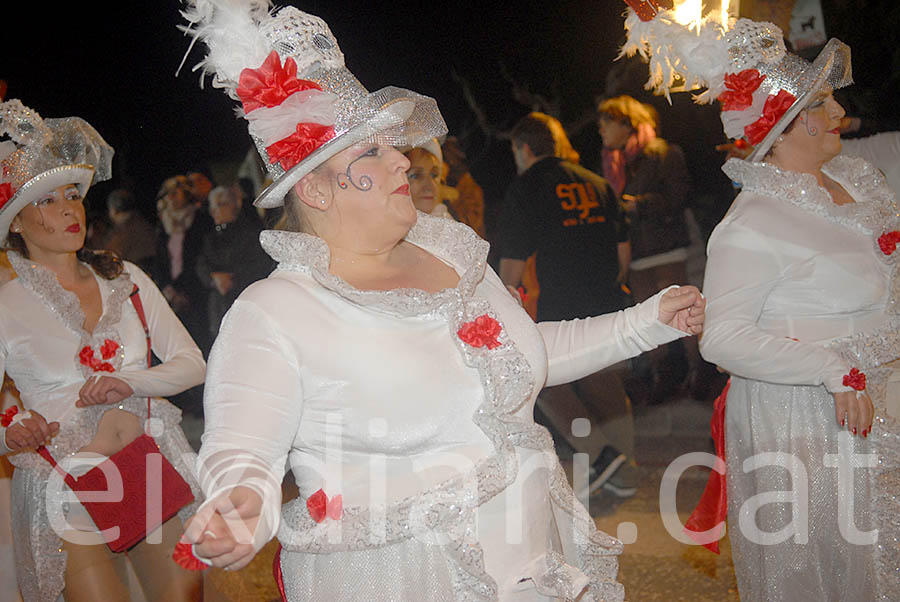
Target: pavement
654, 566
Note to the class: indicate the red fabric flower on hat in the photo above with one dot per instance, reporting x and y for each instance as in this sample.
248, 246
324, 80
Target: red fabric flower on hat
296, 147
320, 506
184, 557
7, 416
775, 107
855, 380
888, 241
741, 87
6, 193
269, 85
481, 332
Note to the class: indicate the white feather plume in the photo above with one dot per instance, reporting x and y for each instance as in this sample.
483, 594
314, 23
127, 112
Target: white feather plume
231, 30
678, 55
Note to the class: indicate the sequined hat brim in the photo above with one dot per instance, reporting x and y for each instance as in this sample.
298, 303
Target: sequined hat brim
81, 175
822, 69
391, 115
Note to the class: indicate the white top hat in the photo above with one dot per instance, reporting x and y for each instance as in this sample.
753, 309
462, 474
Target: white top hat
760, 85
44, 154
302, 104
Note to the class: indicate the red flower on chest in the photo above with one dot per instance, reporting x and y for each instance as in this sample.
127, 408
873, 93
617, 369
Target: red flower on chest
320, 506
88, 357
888, 241
481, 332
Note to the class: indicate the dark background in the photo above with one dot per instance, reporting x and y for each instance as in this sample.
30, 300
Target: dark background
114, 65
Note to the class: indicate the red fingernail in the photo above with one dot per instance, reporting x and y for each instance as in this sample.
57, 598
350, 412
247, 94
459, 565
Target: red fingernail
854, 430
865, 433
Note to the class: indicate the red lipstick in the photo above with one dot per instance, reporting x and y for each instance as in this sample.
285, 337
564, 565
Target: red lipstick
404, 190
74, 228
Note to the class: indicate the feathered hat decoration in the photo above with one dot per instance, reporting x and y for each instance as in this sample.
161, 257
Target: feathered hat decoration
742, 63
301, 103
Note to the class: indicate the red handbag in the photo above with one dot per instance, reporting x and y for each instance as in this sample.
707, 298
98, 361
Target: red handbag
152, 490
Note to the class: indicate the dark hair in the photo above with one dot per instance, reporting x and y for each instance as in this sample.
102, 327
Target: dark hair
624, 108
106, 263
544, 135
291, 218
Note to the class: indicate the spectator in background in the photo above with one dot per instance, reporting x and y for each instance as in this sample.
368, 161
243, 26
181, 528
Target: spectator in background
131, 236
650, 177
571, 218
230, 256
461, 193
199, 186
425, 175
177, 248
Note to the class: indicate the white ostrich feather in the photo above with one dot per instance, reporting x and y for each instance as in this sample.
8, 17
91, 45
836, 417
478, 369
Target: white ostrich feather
231, 30
678, 55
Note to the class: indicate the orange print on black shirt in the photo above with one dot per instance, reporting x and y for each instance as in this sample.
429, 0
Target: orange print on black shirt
581, 197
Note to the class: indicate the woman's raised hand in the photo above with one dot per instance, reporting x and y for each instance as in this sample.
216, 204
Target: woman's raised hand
683, 308
30, 432
222, 531
103, 389
854, 410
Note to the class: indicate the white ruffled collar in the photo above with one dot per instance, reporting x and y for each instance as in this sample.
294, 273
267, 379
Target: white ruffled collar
448, 240
64, 304
874, 212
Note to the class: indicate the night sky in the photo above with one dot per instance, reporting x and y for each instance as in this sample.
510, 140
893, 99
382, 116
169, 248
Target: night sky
114, 65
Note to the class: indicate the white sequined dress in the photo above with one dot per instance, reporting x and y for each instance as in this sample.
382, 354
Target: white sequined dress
41, 336
800, 292
450, 490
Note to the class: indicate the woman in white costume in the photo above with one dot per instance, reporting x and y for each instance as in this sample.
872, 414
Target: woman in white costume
802, 285
75, 345
387, 363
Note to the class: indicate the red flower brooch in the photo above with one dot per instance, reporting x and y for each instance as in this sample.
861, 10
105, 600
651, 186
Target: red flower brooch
887, 242
184, 557
481, 332
320, 506
856, 380
6, 193
741, 87
6, 417
775, 107
88, 357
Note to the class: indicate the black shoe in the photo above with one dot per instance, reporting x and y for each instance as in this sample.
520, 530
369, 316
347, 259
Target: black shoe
605, 466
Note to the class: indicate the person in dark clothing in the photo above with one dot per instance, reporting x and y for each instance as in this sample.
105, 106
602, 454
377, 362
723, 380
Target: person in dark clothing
230, 258
650, 177
571, 218
131, 236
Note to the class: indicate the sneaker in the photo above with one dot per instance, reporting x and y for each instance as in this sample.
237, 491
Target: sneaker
604, 467
623, 483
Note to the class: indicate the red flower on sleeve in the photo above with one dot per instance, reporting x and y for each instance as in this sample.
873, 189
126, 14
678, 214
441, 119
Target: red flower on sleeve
741, 87
775, 107
888, 241
269, 85
296, 147
6, 193
7, 416
855, 380
481, 332
184, 557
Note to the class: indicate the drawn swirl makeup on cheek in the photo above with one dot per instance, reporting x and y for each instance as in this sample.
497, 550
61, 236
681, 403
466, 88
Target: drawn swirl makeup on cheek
343, 179
811, 130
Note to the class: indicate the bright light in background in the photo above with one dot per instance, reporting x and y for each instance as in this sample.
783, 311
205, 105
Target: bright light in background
690, 13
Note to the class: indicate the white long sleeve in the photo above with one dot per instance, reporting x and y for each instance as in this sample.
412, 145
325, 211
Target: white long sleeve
743, 269
182, 364
576, 348
252, 401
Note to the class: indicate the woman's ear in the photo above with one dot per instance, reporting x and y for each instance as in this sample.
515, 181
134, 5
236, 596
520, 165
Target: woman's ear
314, 191
16, 225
